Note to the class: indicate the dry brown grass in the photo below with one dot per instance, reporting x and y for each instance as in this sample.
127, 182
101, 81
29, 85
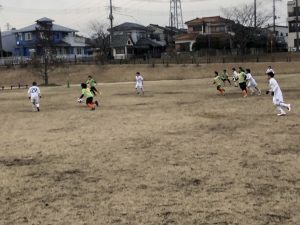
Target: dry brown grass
119, 73
179, 155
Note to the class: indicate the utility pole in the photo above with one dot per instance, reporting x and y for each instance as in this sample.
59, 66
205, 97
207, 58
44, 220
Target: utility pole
255, 14
1, 47
111, 18
274, 17
297, 26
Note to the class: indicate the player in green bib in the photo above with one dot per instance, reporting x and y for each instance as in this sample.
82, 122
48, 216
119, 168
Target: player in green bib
86, 92
218, 81
92, 84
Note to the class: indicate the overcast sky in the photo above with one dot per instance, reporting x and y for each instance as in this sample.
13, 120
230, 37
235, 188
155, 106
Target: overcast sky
76, 14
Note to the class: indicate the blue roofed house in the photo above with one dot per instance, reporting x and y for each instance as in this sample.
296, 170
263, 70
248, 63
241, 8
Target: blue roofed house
64, 41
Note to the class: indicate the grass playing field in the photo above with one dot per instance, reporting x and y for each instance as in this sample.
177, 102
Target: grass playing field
180, 155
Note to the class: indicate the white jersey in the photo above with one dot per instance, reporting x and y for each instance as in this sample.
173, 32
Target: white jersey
274, 87
34, 92
235, 76
270, 70
139, 81
250, 80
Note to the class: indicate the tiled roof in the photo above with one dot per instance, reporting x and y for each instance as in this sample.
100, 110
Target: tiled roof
45, 19
119, 41
54, 28
147, 42
212, 19
129, 26
187, 37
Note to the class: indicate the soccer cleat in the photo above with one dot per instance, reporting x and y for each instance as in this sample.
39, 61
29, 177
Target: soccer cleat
289, 107
38, 109
97, 104
281, 114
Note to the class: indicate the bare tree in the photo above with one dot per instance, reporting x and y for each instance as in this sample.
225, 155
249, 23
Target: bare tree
43, 59
100, 38
246, 33
244, 15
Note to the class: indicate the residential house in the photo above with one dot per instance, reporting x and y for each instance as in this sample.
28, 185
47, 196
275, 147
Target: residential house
293, 24
64, 41
207, 27
132, 40
8, 42
281, 35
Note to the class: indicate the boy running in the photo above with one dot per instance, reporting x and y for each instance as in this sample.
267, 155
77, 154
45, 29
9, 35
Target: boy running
275, 91
86, 92
34, 94
269, 69
92, 83
139, 83
235, 77
251, 83
218, 81
242, 81
224, 77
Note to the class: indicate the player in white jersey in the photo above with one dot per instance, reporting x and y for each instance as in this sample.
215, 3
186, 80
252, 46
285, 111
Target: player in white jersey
139, 83
235, 77
251, 83
270, 70
34, 94
275, 91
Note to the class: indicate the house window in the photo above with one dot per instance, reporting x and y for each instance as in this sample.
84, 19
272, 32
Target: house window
120, 51
217, 29
198, 28
20, 37
28, 37
78, 51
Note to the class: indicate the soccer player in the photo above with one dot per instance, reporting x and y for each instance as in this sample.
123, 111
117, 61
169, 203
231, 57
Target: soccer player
34, 94
269, 69
275, 91
242, 81
251, 83
235, 77
224, 77
139, 83
86, 92
218, 81
92, 84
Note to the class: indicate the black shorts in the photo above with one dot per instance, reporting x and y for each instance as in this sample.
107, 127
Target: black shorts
94, 90
89, 100
243, 86
219, 87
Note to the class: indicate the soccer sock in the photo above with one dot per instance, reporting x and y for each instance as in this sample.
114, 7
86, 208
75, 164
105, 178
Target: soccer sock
283, 105
279, 108
90, 105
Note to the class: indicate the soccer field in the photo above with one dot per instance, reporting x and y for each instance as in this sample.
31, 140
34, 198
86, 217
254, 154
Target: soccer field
180, 155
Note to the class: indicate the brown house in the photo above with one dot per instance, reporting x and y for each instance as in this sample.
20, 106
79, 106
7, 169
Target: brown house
207, 27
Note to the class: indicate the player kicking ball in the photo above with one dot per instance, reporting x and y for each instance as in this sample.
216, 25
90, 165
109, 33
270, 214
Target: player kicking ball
86, 92
275, 91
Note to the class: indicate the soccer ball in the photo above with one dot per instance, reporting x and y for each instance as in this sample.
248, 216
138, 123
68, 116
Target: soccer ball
79, 100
